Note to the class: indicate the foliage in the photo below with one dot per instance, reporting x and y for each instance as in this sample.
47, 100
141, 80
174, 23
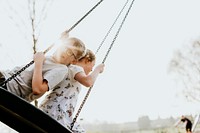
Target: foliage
185, 64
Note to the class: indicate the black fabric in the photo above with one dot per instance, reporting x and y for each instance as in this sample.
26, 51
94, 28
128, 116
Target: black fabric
24, 117
188, 126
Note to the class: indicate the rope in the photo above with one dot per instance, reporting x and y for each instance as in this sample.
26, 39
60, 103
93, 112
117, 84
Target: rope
89, 90
84, 16
116, 35
111, 27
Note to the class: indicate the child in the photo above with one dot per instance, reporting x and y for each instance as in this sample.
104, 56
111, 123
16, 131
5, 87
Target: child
46, 73
60, 103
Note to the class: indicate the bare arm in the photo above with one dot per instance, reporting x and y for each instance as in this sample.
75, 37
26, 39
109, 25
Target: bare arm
39, 85
89, 80
177, 123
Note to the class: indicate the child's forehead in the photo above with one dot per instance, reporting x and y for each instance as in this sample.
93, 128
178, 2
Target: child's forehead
68, 45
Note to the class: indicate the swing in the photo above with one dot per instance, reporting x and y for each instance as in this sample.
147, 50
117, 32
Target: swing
23, 116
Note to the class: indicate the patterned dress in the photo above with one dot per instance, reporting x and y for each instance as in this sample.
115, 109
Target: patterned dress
60, 103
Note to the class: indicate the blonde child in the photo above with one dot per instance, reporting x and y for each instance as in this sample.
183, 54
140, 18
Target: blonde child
61, 102
46, 73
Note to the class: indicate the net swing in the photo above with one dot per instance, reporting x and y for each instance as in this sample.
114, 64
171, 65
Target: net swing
22, 121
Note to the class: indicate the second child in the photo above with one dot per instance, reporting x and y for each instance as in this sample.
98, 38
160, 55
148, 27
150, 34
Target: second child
61, 102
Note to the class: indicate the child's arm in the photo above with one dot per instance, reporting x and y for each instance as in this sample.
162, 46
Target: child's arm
64, 36
88, 80
39, 85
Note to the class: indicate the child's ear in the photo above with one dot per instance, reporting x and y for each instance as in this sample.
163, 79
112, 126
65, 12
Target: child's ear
74, 61
86, 61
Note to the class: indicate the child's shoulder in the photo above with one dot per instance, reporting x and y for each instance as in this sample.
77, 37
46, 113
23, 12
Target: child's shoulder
71, 66
51, 61
51, 64
75, 68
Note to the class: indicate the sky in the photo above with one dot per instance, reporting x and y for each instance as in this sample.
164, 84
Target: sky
135, 81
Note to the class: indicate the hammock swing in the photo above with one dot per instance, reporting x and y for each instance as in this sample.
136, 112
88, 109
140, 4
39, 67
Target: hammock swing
21, 117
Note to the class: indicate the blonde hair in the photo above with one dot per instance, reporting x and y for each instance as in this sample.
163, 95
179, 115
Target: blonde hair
72, 46
89, 56
78, 48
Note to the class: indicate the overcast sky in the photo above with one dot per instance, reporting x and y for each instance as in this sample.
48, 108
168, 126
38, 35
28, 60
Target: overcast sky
135, 81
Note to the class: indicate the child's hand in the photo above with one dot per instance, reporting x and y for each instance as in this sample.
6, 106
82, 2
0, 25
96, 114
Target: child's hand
100, 68
64, 36
39, 57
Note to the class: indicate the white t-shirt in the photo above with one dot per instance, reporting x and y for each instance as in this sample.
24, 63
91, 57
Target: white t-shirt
21, 85
61, 102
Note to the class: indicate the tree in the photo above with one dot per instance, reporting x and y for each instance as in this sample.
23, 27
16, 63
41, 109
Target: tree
185, 65
144, 122
28, 17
